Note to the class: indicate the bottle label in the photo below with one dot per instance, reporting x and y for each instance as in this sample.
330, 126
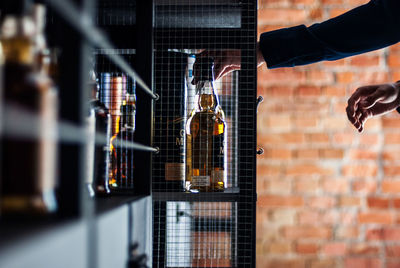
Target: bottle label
199, 181
218, 151
217, 176
174, 171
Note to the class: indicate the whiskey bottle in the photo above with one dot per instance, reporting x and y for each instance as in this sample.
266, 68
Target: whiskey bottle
28, 178
206, 135
170, 81
121, 153
102, 145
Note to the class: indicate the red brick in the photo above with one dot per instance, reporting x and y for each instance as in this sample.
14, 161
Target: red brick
376, 217
364, 186
309, 217
363, 154
396, 202
378, 202
334, 91
335, 249
335, 185
349, 201
362, 171
308, 169
281, 76
391, 171
330, 2
277, 122
306, 154
320, 77
321, 202
363, 249
281, 263
275, 153
391, 187
331, 153
365, 61
394, 263
369, 139
268, 170
306, 122
306, 185
343, 138
347, 233
282, 216
279, 186
297, 232
362, 263
307, 248
390, 234
391, 155
394, 60
308, 91
278, 247
392, 138
368, 77
280, 201
344, 77
324, 263
322, 138
281, 16
335, 122
282, 138
388, 122
392, 250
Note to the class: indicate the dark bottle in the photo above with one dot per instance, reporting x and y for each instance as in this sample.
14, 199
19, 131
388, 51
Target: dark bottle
170, 129
122, 173
102, 147
206, 135
28, 163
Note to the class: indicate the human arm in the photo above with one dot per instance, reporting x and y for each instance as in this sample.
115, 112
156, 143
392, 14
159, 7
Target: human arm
372, 100
368, 27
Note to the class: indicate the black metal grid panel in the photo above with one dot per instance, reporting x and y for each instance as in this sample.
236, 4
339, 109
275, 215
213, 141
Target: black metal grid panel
195, 234
190, 27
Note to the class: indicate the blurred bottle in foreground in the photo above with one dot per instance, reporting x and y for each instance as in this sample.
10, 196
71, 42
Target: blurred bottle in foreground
28, 159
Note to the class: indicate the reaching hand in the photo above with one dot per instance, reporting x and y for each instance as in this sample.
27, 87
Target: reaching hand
369, 101
225, 61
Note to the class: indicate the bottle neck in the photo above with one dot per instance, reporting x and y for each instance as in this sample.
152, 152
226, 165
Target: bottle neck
17, 33
207, 97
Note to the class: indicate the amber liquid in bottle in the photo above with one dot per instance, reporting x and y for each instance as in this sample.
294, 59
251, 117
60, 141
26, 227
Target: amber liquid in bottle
121, 178
28, 164
206, 137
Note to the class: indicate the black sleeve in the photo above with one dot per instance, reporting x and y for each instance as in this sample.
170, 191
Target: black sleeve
368, 27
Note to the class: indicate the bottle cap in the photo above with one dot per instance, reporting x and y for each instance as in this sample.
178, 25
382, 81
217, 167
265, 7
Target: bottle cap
204, 69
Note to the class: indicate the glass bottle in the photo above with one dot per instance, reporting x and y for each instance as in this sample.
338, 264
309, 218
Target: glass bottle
206, 135
121, 153
28, 163
102, 144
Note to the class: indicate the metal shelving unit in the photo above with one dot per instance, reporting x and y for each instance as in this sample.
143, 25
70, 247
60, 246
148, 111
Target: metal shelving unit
88, 232
209, 229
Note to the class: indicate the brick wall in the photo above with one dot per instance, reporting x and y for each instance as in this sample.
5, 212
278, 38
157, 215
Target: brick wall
328, 196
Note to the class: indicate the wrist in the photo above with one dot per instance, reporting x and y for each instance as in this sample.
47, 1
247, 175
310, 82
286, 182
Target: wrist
260, 57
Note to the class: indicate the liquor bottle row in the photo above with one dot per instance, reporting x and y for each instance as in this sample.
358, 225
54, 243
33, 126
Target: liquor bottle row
29, 167
112, 118
194, 147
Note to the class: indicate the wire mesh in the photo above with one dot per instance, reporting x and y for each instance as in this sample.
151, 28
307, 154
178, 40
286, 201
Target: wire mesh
195, 229
197, 234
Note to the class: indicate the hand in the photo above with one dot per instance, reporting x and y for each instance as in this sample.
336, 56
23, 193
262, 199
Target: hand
369, 101
225, 61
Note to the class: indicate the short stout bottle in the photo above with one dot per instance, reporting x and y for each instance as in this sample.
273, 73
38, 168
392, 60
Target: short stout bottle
206, 135
29, 162
122, 177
